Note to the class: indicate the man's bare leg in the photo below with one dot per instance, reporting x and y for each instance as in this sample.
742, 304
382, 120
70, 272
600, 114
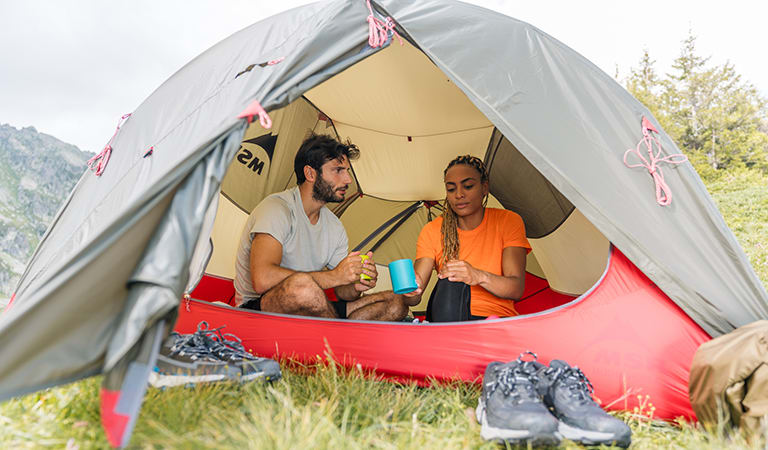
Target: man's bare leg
298, 294
379, 306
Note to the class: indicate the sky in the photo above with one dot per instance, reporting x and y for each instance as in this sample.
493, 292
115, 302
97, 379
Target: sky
72, 68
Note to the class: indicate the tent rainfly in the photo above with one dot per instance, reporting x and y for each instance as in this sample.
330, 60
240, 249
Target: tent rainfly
618, 284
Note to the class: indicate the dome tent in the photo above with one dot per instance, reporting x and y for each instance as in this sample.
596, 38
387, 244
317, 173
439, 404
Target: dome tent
126, 245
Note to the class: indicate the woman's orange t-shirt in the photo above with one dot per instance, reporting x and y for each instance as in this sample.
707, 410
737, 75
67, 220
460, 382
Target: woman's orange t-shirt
482, 248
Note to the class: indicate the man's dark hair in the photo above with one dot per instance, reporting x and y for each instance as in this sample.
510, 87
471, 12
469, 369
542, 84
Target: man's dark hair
317, 150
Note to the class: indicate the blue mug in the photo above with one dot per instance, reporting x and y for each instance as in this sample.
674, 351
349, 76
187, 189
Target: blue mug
403, 276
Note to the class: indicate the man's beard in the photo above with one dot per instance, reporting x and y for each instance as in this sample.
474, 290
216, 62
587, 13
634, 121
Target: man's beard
323, 191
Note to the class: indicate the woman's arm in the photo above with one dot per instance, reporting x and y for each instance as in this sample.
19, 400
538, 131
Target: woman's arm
509, 285
423, 268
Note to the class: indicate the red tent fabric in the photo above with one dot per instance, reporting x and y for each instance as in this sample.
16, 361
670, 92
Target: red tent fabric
626, 335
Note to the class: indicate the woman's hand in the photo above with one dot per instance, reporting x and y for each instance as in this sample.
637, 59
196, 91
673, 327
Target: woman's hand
457, 270
419, 288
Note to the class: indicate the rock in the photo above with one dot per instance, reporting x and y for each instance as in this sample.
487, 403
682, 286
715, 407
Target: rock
37, 172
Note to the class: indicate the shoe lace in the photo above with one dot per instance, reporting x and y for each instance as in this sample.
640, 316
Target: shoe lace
209, 344
516, 380
579, 386
228, 345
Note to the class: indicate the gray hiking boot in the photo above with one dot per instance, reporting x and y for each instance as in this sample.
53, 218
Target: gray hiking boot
568, 392
208, 356
510, 409
229, 348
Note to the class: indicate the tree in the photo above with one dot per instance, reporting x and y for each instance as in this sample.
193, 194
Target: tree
644, 84
718, 120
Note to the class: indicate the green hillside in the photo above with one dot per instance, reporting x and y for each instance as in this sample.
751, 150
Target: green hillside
742, 197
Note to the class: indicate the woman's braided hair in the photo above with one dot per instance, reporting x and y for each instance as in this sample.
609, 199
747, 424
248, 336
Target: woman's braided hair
448, 230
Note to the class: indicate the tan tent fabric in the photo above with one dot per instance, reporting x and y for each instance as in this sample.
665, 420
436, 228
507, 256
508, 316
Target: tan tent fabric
400, 92
729, 379
366, 214
574, 256
204, 247
393, 168
230, 221
398, 107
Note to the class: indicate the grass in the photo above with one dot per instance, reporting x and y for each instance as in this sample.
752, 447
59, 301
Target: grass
322, 406
742, 197
329, 408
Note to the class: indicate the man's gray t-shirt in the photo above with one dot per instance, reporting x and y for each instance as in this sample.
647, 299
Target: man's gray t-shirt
306, 247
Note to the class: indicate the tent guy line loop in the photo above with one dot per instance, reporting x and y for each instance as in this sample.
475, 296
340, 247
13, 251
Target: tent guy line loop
255, 109
378, 30
663, 192
99, 161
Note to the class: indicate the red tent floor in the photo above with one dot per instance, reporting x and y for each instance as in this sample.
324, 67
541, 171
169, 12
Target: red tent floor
625, 334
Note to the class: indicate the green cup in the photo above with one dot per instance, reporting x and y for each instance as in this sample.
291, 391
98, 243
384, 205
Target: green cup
362, 275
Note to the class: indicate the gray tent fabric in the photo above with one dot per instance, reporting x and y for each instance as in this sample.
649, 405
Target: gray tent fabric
107, 222
117, 315
160, 277
568, 119
528, 85
125, 384
521, 188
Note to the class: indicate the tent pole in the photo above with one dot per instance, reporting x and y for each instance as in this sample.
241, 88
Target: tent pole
410, 210
395, 227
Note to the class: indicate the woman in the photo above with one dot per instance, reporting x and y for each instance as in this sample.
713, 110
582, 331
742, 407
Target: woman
479, 253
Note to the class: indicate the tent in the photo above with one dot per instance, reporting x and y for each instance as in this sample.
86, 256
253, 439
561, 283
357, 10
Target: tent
629, 288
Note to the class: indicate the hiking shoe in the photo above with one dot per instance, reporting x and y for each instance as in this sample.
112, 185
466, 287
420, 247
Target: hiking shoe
510, 409
229, 348
208, 356
568, 392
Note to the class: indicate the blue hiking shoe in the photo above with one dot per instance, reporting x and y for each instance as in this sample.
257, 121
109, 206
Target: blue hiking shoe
568, 392
510, 409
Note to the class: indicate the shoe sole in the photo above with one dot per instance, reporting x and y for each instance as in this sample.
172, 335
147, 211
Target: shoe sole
263, 375
490, 433
160, 380
588, 437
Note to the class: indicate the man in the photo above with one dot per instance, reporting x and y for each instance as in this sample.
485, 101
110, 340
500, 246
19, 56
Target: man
293, 247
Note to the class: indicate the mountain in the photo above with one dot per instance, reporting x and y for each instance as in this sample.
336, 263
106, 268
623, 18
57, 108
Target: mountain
37, 172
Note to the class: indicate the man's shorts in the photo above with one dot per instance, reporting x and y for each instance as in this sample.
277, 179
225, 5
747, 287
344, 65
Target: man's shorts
339, 306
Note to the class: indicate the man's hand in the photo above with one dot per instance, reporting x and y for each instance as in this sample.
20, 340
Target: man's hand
349, 269
456, 270
369, 269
